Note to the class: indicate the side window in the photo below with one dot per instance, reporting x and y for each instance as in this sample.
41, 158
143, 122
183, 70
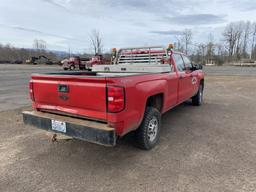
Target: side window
179, 62
188, 63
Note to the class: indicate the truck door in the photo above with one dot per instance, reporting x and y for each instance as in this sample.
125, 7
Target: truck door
192, 76
184, 88
173, 83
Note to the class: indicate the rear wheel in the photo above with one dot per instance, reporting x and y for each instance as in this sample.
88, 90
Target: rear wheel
147, 134
72, 67
197, 100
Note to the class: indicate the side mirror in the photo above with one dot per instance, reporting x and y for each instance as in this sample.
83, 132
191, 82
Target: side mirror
200, 66
196, 67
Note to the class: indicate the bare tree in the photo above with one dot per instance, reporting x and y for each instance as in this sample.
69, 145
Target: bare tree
39, 44
247, 31
233, 38
201, 53
210, 48
187, 37
229, 38
178, 44
239, 41
96, 42
220, 50
253, 46
10, 53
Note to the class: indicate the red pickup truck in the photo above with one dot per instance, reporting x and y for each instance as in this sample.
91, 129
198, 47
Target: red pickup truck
82, 63
112, 100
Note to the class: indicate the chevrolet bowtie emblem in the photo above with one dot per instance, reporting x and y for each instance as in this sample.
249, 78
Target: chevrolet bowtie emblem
64, 97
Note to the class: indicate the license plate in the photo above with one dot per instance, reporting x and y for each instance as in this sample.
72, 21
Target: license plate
59, 126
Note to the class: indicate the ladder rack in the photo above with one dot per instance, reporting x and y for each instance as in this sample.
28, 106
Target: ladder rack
138, 60
141, 55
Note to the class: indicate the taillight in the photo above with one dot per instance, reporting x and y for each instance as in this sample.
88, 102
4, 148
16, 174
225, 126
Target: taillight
31, 91
115, 99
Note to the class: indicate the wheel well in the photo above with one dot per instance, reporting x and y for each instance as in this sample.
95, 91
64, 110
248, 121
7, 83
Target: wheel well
155, 101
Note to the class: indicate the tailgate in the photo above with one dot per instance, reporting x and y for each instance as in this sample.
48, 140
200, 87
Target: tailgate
81, 96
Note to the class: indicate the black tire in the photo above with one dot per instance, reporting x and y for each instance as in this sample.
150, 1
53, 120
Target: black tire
72, 67
197, 100
146, 140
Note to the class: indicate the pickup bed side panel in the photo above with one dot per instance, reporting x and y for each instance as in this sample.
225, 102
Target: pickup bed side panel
137, 94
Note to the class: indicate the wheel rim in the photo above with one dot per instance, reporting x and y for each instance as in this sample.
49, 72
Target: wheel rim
152, 129
200, 95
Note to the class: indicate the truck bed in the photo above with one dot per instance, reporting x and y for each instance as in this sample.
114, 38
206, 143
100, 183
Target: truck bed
79, 94
88, 74
117, 70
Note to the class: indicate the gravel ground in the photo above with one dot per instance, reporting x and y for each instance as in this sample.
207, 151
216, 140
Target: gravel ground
207, 148
230, 71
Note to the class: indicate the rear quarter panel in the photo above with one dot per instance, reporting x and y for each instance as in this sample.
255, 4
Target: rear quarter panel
137, 90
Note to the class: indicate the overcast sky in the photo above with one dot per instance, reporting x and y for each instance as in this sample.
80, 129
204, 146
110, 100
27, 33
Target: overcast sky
67, 24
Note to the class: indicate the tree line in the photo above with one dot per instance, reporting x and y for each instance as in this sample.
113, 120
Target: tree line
11, 54
237, 43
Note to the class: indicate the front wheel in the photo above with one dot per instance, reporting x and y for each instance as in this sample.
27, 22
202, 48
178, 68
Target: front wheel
197, 100
147, 135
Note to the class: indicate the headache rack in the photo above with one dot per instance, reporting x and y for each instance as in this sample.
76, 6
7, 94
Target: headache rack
138, 60
141, 55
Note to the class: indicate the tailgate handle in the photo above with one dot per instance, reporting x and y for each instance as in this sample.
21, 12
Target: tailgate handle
63, 88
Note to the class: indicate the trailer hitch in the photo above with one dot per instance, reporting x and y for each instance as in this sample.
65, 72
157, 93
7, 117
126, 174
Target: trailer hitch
54, 137
57, 137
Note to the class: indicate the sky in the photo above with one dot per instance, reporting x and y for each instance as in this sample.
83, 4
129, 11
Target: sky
67, 24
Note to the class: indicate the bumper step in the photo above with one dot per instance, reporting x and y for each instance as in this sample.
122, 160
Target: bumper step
91, 131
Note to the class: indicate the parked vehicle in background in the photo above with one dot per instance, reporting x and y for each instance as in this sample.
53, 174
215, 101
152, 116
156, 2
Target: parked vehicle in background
63, 62
31, 60
131, 95
18, 62
5, 61
81, 63
74, 63
11, 61
96, 60
39, 60
43, 60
